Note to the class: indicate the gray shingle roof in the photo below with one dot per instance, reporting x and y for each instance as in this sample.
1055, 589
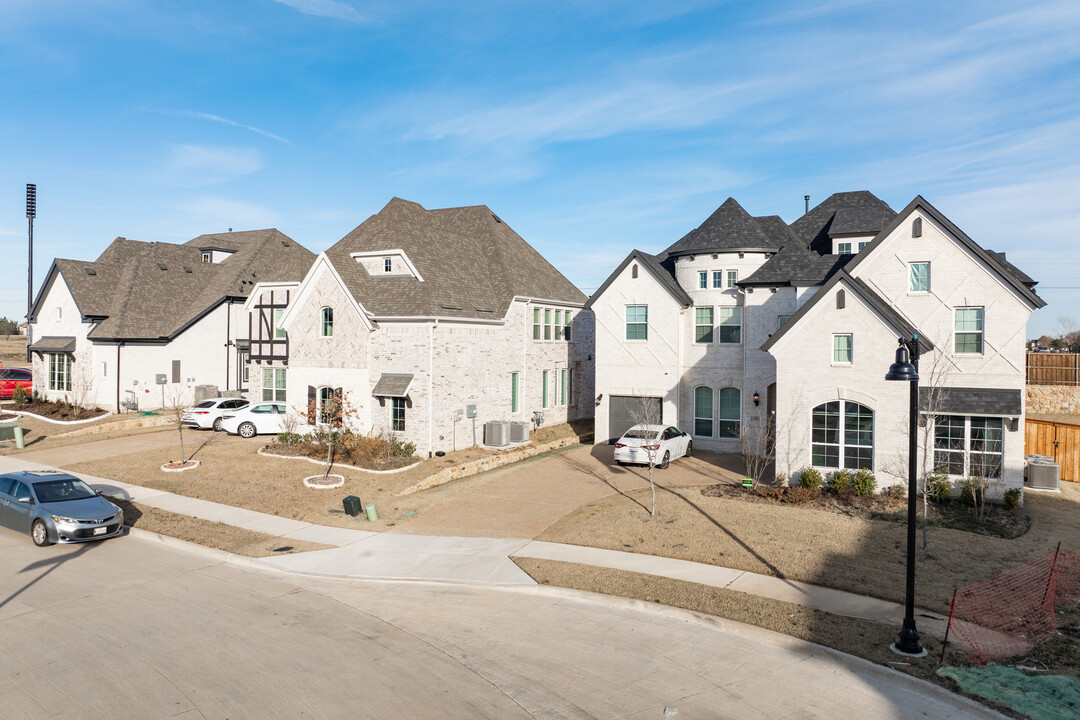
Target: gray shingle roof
728, 229
152, 291
975, 401
472, 263
662, 271
846, 213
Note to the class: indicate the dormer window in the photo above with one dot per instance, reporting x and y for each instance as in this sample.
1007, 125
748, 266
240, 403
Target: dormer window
388, 265
206, 257
843, 248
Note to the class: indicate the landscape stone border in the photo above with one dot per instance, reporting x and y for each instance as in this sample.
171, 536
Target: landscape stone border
264, 452
320, 486
123, 423
189, 465
66, 422
474, 467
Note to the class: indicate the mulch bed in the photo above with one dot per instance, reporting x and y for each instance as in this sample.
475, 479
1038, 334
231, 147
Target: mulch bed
316, 451
56, 410
954, 514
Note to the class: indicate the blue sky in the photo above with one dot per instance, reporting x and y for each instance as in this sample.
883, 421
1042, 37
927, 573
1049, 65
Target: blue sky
590, 127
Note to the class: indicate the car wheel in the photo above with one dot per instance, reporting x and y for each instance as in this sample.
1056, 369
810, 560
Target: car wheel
620, 463
217, 424
689, 450
40, 534
666, 461
246, 430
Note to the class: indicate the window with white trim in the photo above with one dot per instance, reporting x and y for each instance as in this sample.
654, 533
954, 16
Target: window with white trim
842, 350
558, 325
563, 387
325, 411
515, 392
843, 248
863, 244
547, 323
731, 325
538, 323
703, 280
637, 322
546, 380
968, 335
703, 411
273, 384
397, 414
732, 278
388, 265
279, 332
566, 326
60, 371
717, 279
847, 437
969, 446
919, 277
703, 325
206, 257
729, 409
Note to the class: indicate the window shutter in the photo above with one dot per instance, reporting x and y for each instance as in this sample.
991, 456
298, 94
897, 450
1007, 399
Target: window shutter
335, 420
311, 404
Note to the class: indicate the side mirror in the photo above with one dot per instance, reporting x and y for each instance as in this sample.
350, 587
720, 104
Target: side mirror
27, 500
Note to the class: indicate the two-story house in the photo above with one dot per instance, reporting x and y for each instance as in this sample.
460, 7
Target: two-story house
426, 324
146, 322
748, 326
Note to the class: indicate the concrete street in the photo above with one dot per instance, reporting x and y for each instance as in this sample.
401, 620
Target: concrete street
129, 629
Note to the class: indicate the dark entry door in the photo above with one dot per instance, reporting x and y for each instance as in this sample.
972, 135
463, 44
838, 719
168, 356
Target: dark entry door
623, 408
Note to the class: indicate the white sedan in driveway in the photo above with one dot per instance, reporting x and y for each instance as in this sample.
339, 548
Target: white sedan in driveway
207, 414
259, 418
665, 442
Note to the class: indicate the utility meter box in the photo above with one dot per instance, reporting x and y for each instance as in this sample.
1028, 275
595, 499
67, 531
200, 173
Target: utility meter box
161, 378
470, 411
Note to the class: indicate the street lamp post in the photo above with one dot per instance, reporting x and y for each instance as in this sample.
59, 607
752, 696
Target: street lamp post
906, 369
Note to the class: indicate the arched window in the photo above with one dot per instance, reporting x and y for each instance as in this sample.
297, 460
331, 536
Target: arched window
842, 439
633, 271
327, 329
703, 412
730, 412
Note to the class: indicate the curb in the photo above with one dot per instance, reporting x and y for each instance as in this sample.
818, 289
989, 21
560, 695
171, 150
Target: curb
65, 422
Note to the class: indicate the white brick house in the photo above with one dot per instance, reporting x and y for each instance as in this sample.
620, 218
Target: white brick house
422, 318
749, 318
105, 331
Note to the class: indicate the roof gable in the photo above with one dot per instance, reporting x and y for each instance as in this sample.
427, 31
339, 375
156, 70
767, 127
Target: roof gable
845, 213
657, 269
729, 228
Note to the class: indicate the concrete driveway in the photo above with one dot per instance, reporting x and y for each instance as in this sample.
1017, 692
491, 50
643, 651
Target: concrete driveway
128, 629
522, 500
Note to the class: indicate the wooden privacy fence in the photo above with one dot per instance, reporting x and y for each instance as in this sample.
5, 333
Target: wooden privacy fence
1053, 369
1056, 440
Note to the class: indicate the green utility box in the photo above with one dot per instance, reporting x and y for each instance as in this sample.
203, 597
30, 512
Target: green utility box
352, 505
12, 432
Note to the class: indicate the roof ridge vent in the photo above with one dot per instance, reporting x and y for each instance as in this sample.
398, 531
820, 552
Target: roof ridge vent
163, 266
91, 271
187, 268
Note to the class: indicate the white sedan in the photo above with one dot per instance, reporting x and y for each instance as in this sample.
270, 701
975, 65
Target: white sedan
207, 414
663, 442
259, 418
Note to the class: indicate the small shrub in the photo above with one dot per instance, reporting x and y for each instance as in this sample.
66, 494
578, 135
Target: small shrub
938, 486
406, 449
780, 481
801, 494
865, 483
840, 482
810, 478
289, 438
973, 491
1011, 498
20, 396
896, 492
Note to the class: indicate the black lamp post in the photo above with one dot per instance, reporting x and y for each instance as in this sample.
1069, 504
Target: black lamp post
906, 369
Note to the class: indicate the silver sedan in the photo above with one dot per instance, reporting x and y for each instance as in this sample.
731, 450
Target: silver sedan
55, 507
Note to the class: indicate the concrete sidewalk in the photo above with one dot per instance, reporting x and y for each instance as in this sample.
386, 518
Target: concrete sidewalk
478, 560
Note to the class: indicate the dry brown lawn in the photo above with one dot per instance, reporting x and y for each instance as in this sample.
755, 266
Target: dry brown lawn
211, 534
233, 474
13, 351
42, 435
808, 544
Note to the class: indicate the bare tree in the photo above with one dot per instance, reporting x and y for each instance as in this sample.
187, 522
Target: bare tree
177, 402
330, 420
651, 415
82, 386
757, 444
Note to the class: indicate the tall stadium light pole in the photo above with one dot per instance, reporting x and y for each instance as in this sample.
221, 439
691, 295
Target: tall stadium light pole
906, 369
31, 213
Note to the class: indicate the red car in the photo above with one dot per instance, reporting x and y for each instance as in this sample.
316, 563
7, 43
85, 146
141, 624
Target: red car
10, 378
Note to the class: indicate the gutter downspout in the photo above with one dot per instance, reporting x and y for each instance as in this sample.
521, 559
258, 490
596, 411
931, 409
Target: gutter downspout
524, 353
119, 345
430, 388
678, 370
228, 334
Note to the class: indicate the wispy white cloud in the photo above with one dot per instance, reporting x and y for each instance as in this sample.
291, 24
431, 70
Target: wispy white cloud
219, 212
334, 9
190, 165
225, 121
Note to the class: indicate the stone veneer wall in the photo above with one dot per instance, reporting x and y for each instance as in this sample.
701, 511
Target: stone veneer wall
1053, 399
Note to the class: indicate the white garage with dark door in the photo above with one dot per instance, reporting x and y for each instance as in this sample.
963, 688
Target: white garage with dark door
626, 411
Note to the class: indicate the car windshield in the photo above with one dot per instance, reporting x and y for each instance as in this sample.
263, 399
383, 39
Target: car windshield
207, 404
640, 434
63, 490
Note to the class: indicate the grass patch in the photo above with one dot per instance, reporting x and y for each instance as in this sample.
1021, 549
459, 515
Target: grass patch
580, 429
211, 534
